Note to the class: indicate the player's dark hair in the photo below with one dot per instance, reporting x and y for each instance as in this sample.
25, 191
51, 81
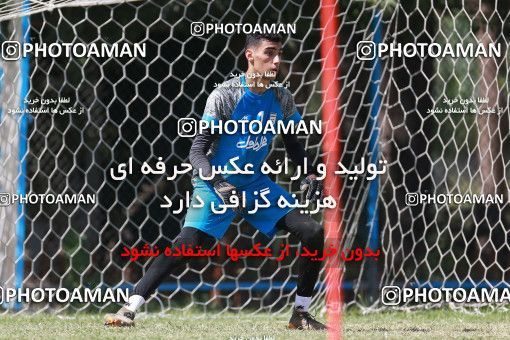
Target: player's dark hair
255, 39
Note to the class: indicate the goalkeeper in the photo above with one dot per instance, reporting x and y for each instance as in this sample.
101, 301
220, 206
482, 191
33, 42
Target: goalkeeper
242, 98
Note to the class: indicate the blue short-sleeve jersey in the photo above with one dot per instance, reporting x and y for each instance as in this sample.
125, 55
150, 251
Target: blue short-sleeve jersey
233, 100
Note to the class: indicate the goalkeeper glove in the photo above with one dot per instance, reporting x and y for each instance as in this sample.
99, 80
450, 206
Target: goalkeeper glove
226, 190
312, 187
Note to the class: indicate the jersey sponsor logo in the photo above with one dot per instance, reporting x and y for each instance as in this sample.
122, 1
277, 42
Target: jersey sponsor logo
256, 144
272, 118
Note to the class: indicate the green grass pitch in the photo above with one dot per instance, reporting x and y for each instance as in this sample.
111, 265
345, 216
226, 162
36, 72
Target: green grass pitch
393, 325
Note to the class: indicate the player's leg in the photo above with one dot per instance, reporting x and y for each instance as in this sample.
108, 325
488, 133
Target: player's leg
311, 235
165, 265
161, 267
201, 228
271, 219
268, 220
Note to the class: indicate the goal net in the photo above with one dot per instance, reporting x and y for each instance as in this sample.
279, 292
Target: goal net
437, 210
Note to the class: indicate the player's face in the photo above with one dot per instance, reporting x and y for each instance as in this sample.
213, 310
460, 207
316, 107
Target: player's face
266, 58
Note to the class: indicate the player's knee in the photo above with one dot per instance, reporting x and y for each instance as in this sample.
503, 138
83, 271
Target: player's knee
318, 237
191, 237
315, 235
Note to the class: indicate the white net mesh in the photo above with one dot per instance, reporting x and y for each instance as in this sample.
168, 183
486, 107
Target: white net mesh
10, 9
131, 107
